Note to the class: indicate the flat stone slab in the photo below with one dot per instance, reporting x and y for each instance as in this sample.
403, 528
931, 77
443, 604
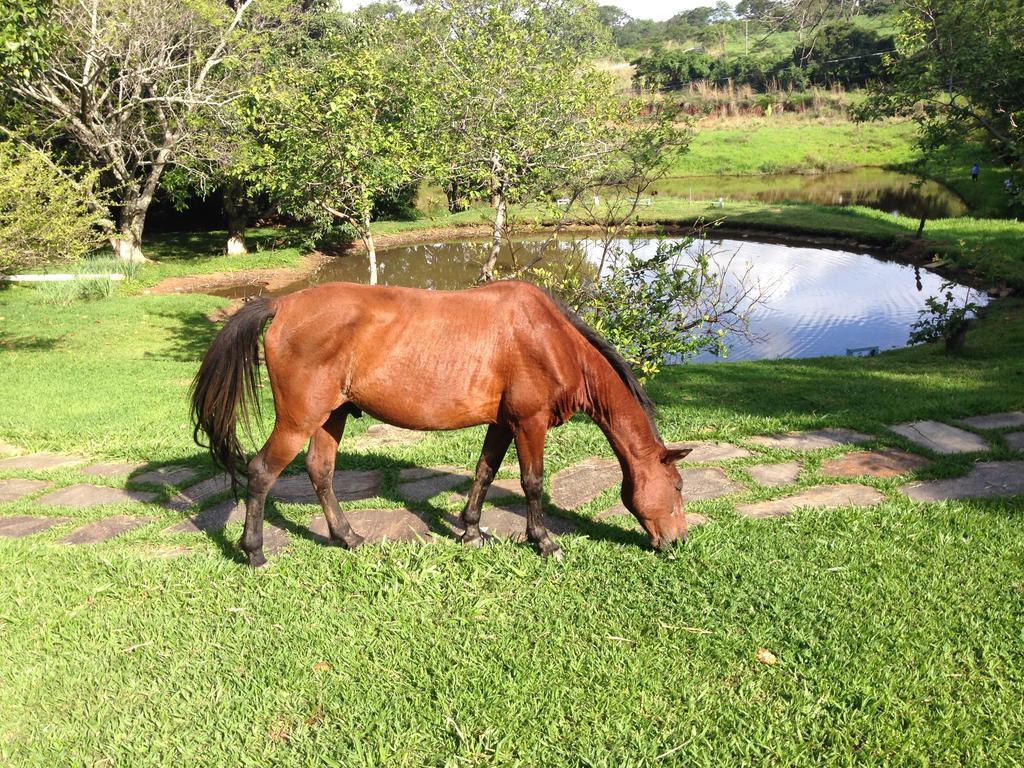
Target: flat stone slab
509, 522
996, 420
822, 497
275, 539
889, 462
420, 487
386, 435
17, 487
506, 489
702, 453
40, 461
940, 438
584, 482
6, 449
708, 483
987, 479
83, 496
349, 485
216, 518
813, 440
200, 492
1015, 440
104, 530
617, 510
774, 475
24, 525
112, 468
377, 525
172, 475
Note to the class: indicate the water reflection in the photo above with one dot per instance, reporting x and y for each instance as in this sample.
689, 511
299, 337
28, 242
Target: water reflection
887, 191
820, 301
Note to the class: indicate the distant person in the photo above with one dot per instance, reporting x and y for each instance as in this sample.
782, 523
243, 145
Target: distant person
1009, 187
975, 170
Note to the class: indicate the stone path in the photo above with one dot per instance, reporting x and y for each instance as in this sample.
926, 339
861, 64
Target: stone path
889, 462
986, 479
822, 497
941, 438
504, 515
774, 475
385, 436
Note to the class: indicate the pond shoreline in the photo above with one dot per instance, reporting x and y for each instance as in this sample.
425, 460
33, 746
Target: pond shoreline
904, 249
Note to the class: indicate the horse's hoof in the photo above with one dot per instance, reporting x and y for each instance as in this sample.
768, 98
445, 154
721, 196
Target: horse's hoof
257, 560
352, 543
475, 540
550, 549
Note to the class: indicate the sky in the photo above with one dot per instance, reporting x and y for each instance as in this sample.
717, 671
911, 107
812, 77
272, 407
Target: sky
659, 10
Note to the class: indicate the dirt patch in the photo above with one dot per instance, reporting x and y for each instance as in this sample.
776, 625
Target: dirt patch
270, 279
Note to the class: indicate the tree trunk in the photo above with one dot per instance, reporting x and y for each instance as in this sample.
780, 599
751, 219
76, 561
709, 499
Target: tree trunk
371, 248
455, 204
127, 239
920, 227
235, 213
500, 213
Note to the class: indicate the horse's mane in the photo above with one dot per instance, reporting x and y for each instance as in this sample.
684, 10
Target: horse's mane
618, 364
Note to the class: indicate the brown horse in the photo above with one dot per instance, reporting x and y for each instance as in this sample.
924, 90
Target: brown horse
504, 354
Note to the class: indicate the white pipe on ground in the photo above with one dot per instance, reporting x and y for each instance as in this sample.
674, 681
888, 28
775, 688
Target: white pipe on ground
58, 278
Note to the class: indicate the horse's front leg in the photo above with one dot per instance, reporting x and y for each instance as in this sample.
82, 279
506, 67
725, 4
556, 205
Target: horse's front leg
323, 450
496, 445
530, 447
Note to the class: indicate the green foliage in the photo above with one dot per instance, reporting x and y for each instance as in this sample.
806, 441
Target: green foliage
959, 68
25, 36
845, 53
46, 215
945, 317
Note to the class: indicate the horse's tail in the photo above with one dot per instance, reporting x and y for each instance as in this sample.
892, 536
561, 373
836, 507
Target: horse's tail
226, 388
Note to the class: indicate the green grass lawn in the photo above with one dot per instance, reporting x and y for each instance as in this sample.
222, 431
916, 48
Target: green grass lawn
898, 629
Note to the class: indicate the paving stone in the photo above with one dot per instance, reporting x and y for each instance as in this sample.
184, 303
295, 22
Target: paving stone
17, 487
708, 483
172, 475
1015, 440
82, 496
349, 485
166, 553
941, 438
104, 530
6, 449
996, 420
377, 525
986, 479
112, 468
702, 453
418, 473
431, 485
585, 481
385, 435
509, 522
24, 525
275, 539
39, 461
822, 497
773, 475
200, 492
508, 489
889, 462
693, 519
813, 440
216, 518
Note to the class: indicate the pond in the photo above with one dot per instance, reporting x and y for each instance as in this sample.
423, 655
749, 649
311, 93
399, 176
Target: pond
884, 190
820, 300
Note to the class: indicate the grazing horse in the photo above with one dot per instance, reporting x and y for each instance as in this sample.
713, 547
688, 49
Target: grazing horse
505, 354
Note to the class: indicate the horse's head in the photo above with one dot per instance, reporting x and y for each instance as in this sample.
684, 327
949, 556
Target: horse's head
655, 498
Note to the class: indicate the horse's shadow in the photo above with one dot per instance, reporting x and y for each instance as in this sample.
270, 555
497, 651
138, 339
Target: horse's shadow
440, 520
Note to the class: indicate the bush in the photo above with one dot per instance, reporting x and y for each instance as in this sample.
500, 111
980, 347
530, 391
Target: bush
45, 214
943, 319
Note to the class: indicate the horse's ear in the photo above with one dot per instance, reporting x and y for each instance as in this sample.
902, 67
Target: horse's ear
672, 455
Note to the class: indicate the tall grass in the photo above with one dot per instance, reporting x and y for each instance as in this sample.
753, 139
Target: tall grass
66, 292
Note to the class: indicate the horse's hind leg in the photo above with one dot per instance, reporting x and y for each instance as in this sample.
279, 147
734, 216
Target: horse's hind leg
530, 447
496, 444
323, 448
281, 447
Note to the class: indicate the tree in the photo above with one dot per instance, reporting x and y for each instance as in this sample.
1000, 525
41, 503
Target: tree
332, 134
47, 215
845, 53
519, 109
958, 67
121, 81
